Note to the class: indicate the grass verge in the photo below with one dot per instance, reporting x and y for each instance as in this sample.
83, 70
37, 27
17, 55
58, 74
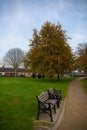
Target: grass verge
84, 81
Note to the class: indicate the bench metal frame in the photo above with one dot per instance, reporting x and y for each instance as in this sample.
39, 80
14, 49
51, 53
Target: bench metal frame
46, 104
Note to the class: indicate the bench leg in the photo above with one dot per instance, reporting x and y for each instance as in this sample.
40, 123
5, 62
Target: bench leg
58, 104
38, 115
54, 109
51, 115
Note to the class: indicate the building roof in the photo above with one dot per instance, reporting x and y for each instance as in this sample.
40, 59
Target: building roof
2, 69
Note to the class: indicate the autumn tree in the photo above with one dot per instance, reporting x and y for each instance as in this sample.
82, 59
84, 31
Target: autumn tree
14, 58
82, 57
49, 52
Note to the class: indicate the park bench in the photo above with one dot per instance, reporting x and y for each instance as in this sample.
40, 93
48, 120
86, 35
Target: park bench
46, 104
55, 94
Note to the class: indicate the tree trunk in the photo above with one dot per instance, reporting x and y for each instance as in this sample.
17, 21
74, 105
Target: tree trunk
58, 76
15, 72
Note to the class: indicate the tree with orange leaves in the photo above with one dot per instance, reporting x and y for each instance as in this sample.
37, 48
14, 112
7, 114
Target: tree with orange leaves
49, 51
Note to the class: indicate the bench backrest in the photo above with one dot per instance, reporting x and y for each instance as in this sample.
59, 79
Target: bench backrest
43, 97
51, 91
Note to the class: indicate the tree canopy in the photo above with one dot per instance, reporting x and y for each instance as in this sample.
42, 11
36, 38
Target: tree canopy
82, 57
49, 51
14, 58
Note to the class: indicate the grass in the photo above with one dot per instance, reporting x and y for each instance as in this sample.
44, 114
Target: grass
85, 84
18, 104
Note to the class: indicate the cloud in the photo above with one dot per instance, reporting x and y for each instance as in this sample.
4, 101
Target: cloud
83, 5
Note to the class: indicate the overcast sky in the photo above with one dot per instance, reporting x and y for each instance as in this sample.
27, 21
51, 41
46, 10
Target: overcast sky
18, 18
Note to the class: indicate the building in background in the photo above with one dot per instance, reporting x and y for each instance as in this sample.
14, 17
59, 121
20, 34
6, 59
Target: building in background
10, 72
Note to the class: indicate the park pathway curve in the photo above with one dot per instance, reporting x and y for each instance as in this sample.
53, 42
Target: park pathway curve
75, 115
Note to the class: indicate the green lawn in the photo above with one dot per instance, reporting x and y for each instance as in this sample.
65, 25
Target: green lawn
85, 84
18, 104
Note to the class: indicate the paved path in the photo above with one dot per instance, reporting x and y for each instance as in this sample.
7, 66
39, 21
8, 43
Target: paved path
75, 116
